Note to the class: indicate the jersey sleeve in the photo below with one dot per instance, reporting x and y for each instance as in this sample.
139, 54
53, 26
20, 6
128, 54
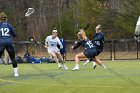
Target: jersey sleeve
46, 40
100, 37
59, 43
77, 44
12, 30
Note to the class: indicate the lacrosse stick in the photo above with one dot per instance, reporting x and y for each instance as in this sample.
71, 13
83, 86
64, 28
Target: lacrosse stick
45, 46
36, 42
31, 39
87, 26
27, 14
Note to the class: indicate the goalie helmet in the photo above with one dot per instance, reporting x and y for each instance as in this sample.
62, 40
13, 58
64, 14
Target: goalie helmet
3, 16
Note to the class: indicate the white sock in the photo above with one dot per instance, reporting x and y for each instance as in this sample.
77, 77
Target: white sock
59, 64
87, 61
94, 63
77, 66
16, 70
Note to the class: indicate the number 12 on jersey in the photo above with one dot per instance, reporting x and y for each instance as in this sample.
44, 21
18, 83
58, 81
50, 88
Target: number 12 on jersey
4, 31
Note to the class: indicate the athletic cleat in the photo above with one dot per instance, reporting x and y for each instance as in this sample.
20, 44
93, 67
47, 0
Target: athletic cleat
75, 69
64, 67
59, 66
16, 75
94, 66
104, 67
85, 63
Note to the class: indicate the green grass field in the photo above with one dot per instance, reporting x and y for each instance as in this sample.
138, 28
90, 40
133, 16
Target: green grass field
120, 77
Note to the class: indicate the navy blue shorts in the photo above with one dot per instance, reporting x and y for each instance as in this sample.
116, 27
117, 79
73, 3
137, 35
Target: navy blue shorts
6, 45
90, 53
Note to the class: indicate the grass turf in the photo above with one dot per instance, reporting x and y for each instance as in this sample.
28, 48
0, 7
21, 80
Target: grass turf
120, 77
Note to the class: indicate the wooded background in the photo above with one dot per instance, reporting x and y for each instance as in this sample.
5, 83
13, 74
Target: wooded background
117, 17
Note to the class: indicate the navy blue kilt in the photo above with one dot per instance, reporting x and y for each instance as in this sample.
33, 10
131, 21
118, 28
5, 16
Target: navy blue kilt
98, 52
90, 53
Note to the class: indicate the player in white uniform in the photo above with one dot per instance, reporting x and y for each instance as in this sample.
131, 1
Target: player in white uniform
51, 43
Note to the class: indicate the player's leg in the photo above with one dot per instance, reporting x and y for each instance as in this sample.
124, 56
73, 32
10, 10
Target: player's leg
96, 61
1, 52
99, 62
14, 63
59, 56
77, 60
11, 52
87, 61
94, 64
53, 54
90, 58
2, 48
6, 57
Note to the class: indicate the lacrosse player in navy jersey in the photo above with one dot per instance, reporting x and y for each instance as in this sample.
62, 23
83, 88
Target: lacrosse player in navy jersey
89, 49
98, 41
6, 42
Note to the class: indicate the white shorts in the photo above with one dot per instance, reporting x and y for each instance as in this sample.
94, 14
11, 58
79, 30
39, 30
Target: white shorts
56, 51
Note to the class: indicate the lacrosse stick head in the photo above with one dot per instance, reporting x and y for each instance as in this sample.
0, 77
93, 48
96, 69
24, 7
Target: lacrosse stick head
29, 12
31, 39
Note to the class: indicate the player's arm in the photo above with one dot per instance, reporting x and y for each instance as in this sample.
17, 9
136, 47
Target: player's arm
59, 43
100, 37
12, 30
46, 43
77, 44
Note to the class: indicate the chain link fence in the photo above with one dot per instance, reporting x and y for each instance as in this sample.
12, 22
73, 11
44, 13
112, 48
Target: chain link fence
125, 49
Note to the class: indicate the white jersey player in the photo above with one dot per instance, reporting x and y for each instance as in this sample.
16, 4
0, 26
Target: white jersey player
51, 43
